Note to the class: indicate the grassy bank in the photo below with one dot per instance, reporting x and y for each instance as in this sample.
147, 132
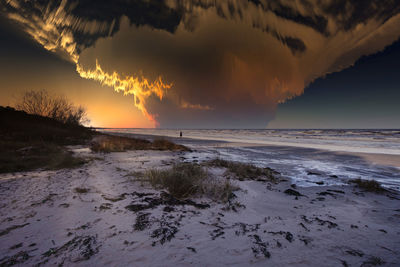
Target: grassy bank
29, 142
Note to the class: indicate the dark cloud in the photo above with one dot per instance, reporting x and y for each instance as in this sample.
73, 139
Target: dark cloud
348, 14
317, 22
140, 12
295, 44
227, 61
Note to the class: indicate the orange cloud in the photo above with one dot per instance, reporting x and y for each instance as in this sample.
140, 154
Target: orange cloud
228, 60
139, 87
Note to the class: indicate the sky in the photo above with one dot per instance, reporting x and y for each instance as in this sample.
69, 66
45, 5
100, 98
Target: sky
208, 64
365, 95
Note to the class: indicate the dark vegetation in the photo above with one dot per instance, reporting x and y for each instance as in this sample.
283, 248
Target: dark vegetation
244, 171
113, 143
48, 105
18, 258
24, 127
80, 248
35, 136
368, 185
29, 141
151, 201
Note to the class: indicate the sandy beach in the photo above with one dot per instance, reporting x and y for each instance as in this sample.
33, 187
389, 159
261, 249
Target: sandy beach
103, 214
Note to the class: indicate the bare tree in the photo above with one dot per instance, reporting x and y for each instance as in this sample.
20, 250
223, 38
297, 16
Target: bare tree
54, 106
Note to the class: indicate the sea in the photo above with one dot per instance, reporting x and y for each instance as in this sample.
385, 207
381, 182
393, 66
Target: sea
308, 157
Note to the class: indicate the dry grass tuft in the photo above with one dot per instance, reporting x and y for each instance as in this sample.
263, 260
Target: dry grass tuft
163, 144
182, 180
219, 190
244, 171
113, 143
368, 185
189, 179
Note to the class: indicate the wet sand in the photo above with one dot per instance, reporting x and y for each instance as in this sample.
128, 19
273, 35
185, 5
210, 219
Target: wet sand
381, 159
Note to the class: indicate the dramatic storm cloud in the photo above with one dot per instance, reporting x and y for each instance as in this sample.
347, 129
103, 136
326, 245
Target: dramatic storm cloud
209, 63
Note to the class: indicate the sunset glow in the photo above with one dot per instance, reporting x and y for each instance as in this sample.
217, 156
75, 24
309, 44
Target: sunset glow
140, 88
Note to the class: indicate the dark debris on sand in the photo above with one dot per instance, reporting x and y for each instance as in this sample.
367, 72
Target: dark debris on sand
164, 199
142, 221
260, 247
319, 221
13, 227
292, 192
165, 232
18, 258
80, 248
288, 235
245, 228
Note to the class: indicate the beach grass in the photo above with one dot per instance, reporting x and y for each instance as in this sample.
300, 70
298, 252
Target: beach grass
113, 143
164, 144
244, 171
184, 180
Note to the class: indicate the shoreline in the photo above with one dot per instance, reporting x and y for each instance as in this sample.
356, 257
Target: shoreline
333, 163
331, 148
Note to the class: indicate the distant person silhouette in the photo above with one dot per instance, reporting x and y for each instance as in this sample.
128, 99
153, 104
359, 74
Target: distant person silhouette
180, 135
